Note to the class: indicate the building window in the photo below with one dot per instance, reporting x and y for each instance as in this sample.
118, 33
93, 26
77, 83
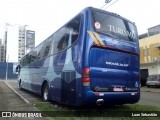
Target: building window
146, 52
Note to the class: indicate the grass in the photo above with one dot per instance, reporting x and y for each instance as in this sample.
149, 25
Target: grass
59, 112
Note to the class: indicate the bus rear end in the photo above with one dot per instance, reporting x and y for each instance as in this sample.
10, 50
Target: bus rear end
111, 69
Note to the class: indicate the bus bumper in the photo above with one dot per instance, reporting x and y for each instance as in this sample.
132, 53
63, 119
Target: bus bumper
110, 98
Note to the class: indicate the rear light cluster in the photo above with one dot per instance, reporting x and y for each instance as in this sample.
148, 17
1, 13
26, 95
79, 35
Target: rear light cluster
86, 77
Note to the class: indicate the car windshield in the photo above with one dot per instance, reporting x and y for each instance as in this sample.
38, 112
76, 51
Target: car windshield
114, 26
152, 78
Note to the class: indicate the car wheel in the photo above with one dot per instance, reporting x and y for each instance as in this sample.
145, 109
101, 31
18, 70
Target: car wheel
45, 93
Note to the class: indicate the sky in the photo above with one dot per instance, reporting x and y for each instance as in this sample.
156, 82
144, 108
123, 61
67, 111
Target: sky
46, 16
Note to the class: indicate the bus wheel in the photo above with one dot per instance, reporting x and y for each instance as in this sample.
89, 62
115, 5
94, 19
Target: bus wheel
45, 92
20, 85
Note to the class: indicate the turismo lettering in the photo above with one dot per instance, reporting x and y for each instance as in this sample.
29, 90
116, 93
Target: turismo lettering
120, 31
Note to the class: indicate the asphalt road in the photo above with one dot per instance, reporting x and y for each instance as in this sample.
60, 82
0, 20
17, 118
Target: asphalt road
150, 98
10, 101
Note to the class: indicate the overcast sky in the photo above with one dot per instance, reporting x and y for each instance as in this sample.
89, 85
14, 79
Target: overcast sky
46, 16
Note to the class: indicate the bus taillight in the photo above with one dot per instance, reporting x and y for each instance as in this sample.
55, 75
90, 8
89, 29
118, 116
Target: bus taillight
86, 77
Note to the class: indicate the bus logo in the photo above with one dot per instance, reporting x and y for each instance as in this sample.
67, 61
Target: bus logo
116, 64
97, 25
136, 84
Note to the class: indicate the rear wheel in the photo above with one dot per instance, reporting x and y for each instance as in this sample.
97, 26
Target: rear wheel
45, 93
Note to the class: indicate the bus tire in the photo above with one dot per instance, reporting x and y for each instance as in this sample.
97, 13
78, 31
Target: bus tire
45, 92
20, 85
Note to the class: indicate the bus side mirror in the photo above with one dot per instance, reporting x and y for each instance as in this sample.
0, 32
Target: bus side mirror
18, 68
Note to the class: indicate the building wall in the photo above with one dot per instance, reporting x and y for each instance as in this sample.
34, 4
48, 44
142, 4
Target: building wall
2, 51
21, 42
26, 40
152, 68
150, 53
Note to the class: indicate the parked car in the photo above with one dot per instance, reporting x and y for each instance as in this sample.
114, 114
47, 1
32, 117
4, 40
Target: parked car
153, 80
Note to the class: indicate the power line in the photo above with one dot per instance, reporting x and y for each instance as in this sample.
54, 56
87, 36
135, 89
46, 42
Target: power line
107, 3
103, 5
111, 4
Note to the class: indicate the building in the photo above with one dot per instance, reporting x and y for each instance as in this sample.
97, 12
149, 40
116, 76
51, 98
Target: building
2, 51
150, 52
21, 42
16, 43
11, 42
26, 41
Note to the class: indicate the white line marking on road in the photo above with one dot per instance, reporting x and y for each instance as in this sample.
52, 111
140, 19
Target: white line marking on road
17, 93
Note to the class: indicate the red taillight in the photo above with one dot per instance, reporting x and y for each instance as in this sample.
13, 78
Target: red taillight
86, 77
86, 72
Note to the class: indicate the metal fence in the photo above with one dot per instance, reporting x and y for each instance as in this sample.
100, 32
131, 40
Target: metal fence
7, 71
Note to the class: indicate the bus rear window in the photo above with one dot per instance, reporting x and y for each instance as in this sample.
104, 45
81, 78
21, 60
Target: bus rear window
114, 26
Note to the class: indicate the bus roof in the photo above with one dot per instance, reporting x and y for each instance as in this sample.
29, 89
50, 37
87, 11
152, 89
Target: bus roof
111, 13
84, 10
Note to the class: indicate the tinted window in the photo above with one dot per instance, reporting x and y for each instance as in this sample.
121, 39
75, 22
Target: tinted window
74, 27
63, 38
59, 41
25, 61
152, 78
114, 26
67, 35
46, 47
36, 53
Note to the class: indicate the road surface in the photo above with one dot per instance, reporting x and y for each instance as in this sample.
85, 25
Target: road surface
150, 98
10, 101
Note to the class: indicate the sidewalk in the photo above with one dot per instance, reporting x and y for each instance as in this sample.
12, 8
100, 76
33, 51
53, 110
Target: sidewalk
10, 101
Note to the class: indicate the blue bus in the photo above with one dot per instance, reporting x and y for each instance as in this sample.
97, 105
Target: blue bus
92, 60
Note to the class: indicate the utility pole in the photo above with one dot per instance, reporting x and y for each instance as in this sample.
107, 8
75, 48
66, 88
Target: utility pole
7, 67
6, 54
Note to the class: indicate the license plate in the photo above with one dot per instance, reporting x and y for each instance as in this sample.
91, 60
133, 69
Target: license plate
117, 89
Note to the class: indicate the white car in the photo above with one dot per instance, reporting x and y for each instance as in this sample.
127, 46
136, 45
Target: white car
153, 80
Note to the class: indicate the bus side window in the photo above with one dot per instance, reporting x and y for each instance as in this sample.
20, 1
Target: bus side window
46, 51
61, 39
46, 47
63, 43
33, 56
28, 59
24, 61
54, 43
74, 25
